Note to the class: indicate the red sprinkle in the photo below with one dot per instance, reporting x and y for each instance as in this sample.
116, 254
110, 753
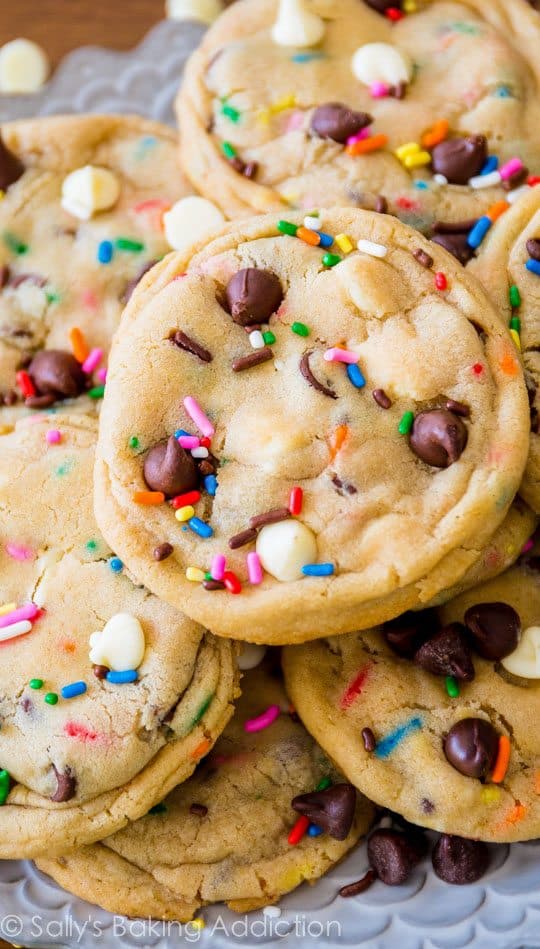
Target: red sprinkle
232, 583
394, 14
205, 442
533, 180
440, 280
407, 204
478, 368
295, 501
355, 687
25, 384
181, 500
298, 831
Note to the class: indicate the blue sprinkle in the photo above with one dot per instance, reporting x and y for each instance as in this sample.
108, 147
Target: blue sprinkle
73, 689
491, 164
119, 678
318, 569
105, 252
306, 57
386, 746
199, 527
503, 92
181, 431
326, 239
210, 485
314, 830
533, 266
479, 231
355, 375
116, 564
421, 185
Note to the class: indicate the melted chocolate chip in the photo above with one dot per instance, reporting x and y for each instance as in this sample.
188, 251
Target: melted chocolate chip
169, 468
56, 372
438, 437
162, 551
495, 629
130, 286
455, 244
185, 342
309, 377
11, 167
252, 295
336, 121
533, 248
459, 861
393, 855
65, 785
407, 632
459, 159
458, 408
332, 809
471, 747
427, 806
447, 654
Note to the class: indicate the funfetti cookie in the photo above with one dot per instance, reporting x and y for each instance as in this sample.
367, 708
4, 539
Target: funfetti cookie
264, 812
109, 697
322, 435
431, 115
81, 217
509, 267
434, 715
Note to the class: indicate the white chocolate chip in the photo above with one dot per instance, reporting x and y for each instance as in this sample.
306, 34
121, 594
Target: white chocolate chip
284, 548
24, 67
380, 62
296, 25
206, 11
120, 645
524, 661
88, 190
250, 656
191, 220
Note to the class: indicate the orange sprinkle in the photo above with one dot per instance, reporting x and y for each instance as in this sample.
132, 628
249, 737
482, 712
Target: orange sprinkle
78, 344
516, 814
509, 365
366, 145
149, 497
337, 439
436, 134
537, 783
495, 211
502, 762
309, 237
67, 645
201, 749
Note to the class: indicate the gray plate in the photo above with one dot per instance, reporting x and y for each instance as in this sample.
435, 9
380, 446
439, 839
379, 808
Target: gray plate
501, 912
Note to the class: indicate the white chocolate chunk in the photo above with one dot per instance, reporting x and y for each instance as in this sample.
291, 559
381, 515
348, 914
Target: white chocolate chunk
191, 220
250, 656
380, 62
88, 190
120, 645
524, 661
284, 548
24, 66
206, 11
296, 25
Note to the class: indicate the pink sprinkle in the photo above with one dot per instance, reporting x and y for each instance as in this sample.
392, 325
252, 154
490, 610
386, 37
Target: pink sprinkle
81, 733
262, 721
18, 552
528, 545
515, 164
53, 436
255, 572
28, 611
188, 441
378, 90
363, 133
89, 299
195, 413
92, 361
340, 355
295, 121
102, 374
217, 567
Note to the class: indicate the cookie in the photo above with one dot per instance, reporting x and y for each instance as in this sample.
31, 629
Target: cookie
109, 697
509, 267
354, 466
80, 220
399, 112
222, 836
432, 715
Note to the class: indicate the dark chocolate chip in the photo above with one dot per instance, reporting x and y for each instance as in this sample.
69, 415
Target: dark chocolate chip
381, 398
458, 408
199, 810
424, 259
256, 358
533, 248
56, 372
243, 538
162, 551
447, 653
100, 672
455, 244
495, 629
213, 585
269, 517
65, 785
459, 861
183, 341
353, 889
11, 167
336, 121
169, 468
459, 159
471, 747
130, 286
438, 437
407, 632
393, 855
252, 295
453, 227
305, 369
332, 809
369, 739
381, 6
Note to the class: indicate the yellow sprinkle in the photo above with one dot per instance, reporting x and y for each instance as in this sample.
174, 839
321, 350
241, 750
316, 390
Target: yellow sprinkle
5, 429
195, 575
409, 6
416, 160
2, 194
290, 196
409, 148
198, 923
510, 550
288, 102
515, 336
490, 795
344, 243
263, 116
184, 513
7, 608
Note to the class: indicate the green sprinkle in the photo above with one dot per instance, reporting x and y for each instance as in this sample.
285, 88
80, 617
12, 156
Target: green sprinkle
452, 687
324, 784
269, 338
204, 708
5, 782
515, 324
91, 545
228, 150
51, 698
208, 576
35, 683
96, 392
330, 260
66, 468
515, 296
126, 243
133, 442
406, 423
158, 809
52, 297
231, 113
13, 243
300, 329
286, 227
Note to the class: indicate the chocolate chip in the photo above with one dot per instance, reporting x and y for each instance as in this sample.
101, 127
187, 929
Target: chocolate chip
4, 276
183, 341
100, 672
250, 169
256, 358
447, 653
213, 585
305, 369
471, 747
56, 372
130, 286
243, 538
369, 739
495, 629
162, 551
11, 167
407, 632
381, 204
252, 295
336, 121
458, 408
381, 398
206, 467
455, 244
199, 810
393, 855
459, 861
269, 517
533, 248
65, 785
353, 889
332, 809
438, 437
453, 227
40, 401
169, 468
381, 6
459, 159
423, 259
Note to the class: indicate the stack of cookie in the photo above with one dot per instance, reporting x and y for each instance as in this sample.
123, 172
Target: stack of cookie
312, 429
